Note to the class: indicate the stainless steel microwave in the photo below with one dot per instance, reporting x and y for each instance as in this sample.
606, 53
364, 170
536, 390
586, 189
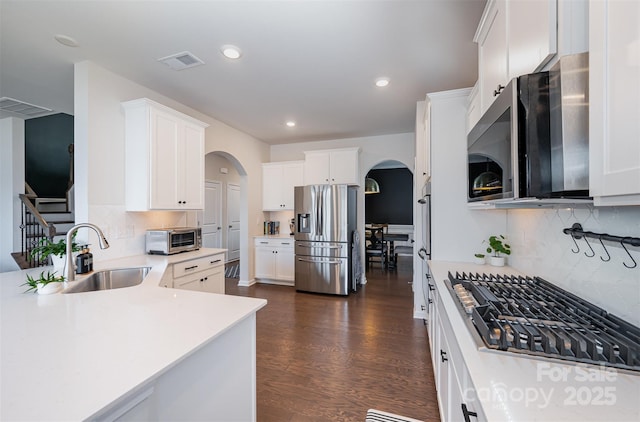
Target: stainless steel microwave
174, 240
533, 141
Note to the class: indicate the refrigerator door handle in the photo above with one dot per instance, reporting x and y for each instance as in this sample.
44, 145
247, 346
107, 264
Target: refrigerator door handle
317, 261
303, 245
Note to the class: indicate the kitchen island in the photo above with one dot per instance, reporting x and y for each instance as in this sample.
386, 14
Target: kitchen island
135, 353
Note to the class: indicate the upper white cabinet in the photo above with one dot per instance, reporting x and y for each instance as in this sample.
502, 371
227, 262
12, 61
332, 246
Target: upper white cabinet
614, 106
278, 181
493, 57
473, 108
514, 38
423, 143
532, 35
164, 160
336, 166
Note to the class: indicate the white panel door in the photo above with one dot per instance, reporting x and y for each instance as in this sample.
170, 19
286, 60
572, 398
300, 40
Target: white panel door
164, 161
233, 222
192, 172
614, 106
212, 218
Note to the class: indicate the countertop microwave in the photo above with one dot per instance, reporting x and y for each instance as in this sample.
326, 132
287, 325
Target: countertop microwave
169, 241
533, 141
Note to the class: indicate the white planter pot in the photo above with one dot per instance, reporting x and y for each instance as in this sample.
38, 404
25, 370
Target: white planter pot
47, 289
59, 263
497, 261
479, 261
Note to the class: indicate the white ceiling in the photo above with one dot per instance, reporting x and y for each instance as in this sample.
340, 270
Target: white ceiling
314, 62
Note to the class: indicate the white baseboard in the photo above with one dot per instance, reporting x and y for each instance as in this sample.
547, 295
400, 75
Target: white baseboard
420, 314
244, 283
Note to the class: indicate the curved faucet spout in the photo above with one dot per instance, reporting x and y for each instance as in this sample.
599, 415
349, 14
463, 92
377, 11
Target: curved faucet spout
70, 272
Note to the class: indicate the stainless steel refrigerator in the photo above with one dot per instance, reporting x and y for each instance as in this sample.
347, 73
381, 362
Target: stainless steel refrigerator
325, 219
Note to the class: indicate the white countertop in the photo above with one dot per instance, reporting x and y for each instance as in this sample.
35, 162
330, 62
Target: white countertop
514, 387
67, 356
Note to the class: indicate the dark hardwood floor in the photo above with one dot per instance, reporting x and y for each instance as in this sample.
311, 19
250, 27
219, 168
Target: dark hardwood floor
330, 358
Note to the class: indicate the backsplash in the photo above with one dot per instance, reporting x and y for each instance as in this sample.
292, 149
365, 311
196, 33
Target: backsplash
539, 247
126, 231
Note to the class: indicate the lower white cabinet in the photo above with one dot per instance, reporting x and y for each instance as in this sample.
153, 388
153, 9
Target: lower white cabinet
275, 259
457, 398
205, 274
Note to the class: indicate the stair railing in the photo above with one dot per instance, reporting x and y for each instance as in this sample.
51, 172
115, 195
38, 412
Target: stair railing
33, 229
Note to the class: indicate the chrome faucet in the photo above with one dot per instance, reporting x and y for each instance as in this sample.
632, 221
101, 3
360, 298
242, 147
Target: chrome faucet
71, 274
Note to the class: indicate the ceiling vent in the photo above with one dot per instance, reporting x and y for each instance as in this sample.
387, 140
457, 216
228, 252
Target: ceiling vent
180, 61
21, 108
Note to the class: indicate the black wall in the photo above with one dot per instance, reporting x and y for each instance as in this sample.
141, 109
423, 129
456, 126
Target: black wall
394, 203
47, 140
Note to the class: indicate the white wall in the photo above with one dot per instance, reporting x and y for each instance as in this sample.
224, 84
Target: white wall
100, 176
11, 183
540, 248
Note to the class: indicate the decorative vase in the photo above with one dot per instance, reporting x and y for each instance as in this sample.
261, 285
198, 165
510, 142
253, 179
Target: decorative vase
59, 263
49, 288
478, 260
497, 261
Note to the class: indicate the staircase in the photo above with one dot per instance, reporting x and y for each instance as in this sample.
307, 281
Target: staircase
49, 218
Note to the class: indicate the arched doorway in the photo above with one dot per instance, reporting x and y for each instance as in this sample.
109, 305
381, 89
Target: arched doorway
224, 219
389, 203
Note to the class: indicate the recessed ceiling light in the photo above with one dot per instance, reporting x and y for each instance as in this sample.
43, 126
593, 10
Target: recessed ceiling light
66, 40
291, 123
382, 82
231, 51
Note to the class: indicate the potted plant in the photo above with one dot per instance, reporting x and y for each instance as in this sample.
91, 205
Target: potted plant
497, 247
479, 259
45, 284
57, 251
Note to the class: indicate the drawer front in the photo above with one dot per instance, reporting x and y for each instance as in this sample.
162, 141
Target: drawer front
280, 243
192, 266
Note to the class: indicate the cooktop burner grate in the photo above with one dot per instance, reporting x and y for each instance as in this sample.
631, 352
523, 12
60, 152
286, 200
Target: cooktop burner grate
530, 315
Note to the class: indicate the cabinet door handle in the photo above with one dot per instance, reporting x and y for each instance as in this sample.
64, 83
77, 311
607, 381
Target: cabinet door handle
498, 91
443, 355
467, 414
191, 268
213, 262
431, 288
430, 301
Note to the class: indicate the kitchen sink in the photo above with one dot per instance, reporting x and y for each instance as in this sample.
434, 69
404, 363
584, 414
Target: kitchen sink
109, 279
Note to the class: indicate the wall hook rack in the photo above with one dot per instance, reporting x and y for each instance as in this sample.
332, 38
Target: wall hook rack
576, 232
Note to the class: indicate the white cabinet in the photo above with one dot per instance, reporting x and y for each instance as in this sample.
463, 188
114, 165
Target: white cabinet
423, 143
275, 260
338, 166
164, 160
474, 111
457, 399
532, 36
514, 38
614, 106
205, 274
278, 181
493, 56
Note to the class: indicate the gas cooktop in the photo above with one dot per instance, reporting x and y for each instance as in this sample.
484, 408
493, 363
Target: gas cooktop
532, 316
